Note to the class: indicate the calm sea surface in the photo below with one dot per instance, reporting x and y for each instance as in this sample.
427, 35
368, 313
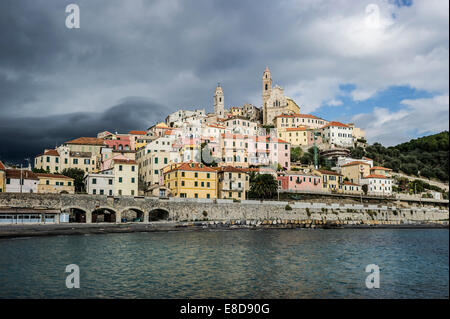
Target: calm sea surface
230, 264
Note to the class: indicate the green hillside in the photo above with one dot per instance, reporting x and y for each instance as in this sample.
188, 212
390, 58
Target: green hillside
426, 156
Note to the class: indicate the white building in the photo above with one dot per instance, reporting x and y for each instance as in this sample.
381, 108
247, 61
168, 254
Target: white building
176, 119
377, 185
101, 183
241, 125
337, 134
21, 181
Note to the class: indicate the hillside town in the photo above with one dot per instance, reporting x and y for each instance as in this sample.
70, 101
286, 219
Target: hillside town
195, 154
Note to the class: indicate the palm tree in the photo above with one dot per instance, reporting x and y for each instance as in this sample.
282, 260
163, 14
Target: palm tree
263, 186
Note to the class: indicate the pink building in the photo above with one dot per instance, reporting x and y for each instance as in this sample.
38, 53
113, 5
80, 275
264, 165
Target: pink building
299, 181
121, 143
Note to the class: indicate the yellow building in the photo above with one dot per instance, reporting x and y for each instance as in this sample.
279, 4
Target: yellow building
297, 136
125, 177
236, 111
49, 161
55, 184
2, 177
355, 171
292, 106
331, 181
233, 183
191, 180
378, 170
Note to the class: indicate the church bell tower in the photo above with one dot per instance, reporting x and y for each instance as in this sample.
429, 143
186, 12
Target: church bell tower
266, 91
219, 103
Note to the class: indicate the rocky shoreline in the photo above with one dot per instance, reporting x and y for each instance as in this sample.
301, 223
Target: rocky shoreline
21, 231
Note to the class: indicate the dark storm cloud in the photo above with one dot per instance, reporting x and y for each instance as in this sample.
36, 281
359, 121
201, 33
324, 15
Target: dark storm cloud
25, 137
57, 84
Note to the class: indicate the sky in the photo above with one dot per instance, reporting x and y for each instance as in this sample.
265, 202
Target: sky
383, 65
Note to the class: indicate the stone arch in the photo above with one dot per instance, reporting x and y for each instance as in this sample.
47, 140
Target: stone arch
158, 214
105, 214
77, 214
139, 214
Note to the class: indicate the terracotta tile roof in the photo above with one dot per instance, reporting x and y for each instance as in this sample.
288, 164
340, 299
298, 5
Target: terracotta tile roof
86, 141
138, 132
326, 172
15, 174
296, 129
299, 115
376, 176
216, 126
355, 163
2, 167
380, 168
51, 152
44, 175
349, 183
230, 169
124, 161
192, 167
334, 123
162, 125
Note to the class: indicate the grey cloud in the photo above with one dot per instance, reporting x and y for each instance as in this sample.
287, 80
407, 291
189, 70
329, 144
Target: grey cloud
22, 137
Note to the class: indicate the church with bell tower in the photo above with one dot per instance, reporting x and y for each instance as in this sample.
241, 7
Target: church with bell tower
219, 103
274, 102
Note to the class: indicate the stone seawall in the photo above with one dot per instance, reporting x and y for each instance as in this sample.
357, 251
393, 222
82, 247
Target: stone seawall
251, 211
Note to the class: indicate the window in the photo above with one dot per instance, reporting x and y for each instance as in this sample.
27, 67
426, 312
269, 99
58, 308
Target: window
47, 182
101, 192
182, 183
48, 159
120, 179
132, 168
132, 179
69, 183
94, 181
156, 160
165, 160
65, 161
120, 192
203, 184
208, 175
120, 167
195, 183
182, 174
196, 175
196, 195
208, 196
75, 161
110, 192
8, 181
56, 159
94, 191
208, 184
87, 161
110, 181
132, 192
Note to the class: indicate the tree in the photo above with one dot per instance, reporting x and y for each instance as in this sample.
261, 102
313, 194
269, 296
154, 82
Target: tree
263, 186
205, 156
77, 175
296, 154
365, 189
